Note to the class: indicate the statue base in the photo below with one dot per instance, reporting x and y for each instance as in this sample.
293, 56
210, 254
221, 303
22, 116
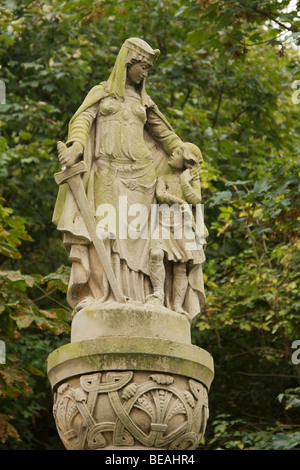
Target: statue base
115, 389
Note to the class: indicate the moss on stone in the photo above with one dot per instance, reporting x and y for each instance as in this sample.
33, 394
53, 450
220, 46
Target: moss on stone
123, 353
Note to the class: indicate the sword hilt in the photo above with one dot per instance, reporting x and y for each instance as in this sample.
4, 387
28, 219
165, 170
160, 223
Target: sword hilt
77, 169
77, 188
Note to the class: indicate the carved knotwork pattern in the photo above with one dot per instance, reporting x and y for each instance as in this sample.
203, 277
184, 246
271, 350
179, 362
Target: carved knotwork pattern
118, 409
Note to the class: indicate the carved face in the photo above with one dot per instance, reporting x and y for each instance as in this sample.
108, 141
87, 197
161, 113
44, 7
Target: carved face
137, 72
176, 160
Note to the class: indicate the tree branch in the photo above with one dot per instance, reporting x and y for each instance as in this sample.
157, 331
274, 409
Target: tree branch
218, 106
186, 97
269, 17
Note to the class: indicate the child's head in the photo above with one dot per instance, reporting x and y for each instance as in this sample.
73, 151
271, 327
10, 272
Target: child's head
192, 155
187, 156
176, 160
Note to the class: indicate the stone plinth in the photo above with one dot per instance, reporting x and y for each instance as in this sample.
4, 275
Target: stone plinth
145, 320
113, 390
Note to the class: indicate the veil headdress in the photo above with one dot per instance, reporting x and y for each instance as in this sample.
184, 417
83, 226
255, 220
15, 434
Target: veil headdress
132, 50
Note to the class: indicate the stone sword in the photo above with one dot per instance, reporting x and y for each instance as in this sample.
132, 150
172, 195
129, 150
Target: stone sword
73, 177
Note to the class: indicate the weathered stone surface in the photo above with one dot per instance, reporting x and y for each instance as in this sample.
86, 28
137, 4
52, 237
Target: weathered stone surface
123, 353
130, 409
121, 153
145, 320
120, 392
130, 377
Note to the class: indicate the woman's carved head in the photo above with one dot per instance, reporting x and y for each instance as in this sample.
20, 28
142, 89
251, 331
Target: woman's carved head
137, 72
140, 51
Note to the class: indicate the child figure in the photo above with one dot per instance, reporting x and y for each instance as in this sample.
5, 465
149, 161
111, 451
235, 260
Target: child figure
181, 188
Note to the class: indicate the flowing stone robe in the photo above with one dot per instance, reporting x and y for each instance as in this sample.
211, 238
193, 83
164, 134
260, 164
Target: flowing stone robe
126, 144
120, 164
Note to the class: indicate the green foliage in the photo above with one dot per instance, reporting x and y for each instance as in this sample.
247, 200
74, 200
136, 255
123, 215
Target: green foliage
27, 330
224, 79
237, 434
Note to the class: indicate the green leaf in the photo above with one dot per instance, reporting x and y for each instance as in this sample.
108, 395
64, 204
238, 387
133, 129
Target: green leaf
220, 197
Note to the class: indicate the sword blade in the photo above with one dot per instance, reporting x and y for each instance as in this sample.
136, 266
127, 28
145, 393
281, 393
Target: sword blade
76, 185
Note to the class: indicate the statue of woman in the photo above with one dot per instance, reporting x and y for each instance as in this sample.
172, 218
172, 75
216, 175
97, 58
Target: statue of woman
125, 142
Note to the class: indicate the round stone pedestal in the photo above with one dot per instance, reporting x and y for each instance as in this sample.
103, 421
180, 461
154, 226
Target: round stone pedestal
114, 391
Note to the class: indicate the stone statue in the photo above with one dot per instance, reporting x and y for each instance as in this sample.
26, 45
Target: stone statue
127, 146
129, 209
181, 190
